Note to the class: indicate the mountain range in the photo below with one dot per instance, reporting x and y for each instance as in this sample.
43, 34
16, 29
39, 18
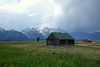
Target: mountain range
12, 35
31, 34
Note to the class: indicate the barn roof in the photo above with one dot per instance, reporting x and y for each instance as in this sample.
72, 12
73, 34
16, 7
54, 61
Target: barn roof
63, 36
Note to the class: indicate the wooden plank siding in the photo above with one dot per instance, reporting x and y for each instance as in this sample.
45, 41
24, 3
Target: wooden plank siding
52, 42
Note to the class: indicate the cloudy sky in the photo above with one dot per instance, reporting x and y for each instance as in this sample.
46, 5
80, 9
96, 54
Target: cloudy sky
69, 15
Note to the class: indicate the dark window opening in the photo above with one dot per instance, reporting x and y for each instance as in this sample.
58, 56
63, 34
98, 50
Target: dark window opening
62, 42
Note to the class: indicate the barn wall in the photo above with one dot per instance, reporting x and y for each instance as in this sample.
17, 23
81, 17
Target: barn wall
63, 42
58, 43
52, 42
66, 42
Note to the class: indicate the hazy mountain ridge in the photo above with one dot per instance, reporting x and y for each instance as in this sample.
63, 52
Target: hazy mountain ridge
84, 35
30, 34
12, 35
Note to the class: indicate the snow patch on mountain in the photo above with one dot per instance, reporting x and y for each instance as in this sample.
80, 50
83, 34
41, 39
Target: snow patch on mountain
42, 33
2, 29
46, 31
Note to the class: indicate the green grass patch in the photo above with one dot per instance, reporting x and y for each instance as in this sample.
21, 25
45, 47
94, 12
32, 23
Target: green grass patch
37, 54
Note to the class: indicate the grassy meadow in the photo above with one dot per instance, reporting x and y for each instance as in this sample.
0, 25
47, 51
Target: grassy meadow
37, 54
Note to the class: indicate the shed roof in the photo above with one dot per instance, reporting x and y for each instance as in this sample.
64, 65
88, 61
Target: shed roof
63, 36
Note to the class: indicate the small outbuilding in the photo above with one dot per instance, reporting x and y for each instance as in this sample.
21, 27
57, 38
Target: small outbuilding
87, 40
59, 39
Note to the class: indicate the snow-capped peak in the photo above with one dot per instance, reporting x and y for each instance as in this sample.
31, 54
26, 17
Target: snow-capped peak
2, 29
46, 31
31, 32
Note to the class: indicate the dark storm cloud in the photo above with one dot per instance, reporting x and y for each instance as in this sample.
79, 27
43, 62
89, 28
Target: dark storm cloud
79, 15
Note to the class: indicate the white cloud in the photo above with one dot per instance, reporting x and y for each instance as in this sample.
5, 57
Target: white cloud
18, 7
22, 12
57, 11
52, 2
8, 18
32, 14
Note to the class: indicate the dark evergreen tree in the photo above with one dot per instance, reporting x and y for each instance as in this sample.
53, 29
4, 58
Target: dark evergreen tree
38, 39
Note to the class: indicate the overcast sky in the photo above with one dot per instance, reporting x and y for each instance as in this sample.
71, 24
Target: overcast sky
69, 15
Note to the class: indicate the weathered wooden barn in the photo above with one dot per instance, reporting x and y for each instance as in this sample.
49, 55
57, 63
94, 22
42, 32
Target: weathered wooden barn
59, 39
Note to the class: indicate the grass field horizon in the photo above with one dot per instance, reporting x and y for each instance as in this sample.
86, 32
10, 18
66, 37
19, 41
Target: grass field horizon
37, 54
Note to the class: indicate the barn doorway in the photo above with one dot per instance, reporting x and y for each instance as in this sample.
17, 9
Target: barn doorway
71, 42
62, 42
